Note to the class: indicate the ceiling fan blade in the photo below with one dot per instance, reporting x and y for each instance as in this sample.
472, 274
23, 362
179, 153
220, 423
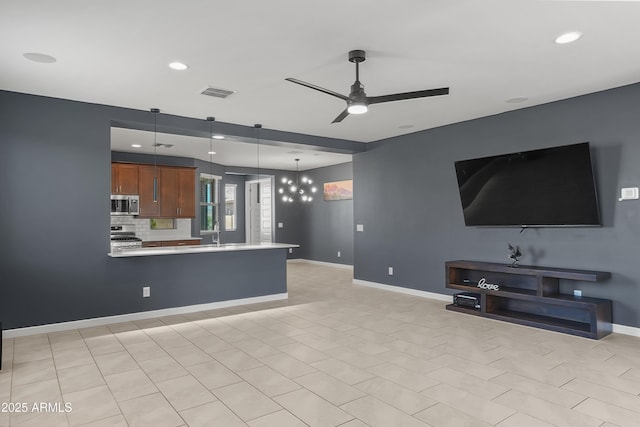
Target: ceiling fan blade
318, 88
341, 116
408, 95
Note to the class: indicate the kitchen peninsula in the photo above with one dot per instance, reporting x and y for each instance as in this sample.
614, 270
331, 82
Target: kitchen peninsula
184, 279
192, 249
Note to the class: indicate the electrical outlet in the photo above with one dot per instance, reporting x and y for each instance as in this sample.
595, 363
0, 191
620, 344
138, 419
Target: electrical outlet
146, 291
577, 293
359, 227
280, 225
390, 271
290, 250
338, 254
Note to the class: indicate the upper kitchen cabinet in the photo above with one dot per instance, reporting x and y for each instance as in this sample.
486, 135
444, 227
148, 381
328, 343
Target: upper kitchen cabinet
149, 207
177, 192
187, 187
124, 178
165, 191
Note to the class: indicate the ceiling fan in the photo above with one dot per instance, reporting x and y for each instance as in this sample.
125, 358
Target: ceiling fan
358, 102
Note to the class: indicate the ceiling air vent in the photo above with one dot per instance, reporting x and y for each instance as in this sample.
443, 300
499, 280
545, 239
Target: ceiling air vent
217, 93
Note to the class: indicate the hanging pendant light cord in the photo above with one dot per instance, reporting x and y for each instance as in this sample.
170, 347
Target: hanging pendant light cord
258, 127
155, 112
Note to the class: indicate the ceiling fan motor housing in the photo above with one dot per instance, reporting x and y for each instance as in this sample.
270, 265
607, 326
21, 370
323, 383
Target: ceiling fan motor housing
357, 92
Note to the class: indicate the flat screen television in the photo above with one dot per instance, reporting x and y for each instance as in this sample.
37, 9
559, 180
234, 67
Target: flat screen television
550, 187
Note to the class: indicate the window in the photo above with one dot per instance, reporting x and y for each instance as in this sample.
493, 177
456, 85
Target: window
208, 202
230, 216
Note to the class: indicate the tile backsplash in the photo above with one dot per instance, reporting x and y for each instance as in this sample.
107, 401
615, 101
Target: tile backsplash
144, 231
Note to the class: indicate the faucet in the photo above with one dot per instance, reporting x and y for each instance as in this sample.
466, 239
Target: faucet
215, 236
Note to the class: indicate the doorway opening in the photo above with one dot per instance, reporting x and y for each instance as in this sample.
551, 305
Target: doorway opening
259, 208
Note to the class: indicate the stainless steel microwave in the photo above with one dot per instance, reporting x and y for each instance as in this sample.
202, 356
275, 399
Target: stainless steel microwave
125, 205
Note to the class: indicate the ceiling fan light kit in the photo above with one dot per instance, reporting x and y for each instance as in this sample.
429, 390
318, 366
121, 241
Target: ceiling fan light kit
358, 102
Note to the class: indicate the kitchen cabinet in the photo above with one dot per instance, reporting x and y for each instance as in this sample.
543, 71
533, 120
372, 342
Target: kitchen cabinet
181, 242
124, 178
177, 192
175, 188
148, 207
159, 243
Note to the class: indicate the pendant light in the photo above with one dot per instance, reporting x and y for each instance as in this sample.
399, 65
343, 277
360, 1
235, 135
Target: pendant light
215, 236
258, 126
292, 191
155, 112
211, 152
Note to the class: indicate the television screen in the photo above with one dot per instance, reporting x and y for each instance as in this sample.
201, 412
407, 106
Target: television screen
538, 188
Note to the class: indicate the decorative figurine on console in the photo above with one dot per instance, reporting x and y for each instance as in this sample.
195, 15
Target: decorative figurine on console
514, 255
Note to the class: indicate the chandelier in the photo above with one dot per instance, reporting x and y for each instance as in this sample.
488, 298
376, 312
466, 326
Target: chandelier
299, 190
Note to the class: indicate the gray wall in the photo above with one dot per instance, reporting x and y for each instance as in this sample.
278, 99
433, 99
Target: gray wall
54, 266
328, 225
406, 197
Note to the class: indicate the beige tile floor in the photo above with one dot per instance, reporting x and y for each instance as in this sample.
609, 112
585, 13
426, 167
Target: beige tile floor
334, 354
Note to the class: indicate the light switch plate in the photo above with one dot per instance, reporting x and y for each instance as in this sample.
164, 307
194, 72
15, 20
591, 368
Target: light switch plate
359, 227
629, 193
280, 225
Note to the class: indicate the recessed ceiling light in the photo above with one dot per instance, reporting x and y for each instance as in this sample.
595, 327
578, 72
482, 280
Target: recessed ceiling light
179, 66
211, 152
568, 37
517, 100
136, 145
39, 57
218, 136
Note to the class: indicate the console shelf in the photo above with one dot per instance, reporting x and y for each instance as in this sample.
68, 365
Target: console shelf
530, 296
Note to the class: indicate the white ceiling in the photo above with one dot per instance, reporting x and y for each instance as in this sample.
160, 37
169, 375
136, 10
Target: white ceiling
232, 151
116, 52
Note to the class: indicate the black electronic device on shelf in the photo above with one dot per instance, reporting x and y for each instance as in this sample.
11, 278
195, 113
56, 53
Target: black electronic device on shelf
467, 299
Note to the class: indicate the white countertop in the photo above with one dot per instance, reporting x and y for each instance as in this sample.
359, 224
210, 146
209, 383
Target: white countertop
175, 250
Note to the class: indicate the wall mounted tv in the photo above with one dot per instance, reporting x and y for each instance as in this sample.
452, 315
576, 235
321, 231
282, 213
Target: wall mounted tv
551, 187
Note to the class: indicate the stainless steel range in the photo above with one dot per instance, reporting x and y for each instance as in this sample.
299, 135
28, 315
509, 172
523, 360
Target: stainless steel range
124, 237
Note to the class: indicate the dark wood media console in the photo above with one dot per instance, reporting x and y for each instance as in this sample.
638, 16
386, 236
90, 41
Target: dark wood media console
529, 295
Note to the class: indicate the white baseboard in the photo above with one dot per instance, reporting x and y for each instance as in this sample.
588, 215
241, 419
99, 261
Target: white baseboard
408, 291
326, 264
626, 330
100, 321
618, 329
